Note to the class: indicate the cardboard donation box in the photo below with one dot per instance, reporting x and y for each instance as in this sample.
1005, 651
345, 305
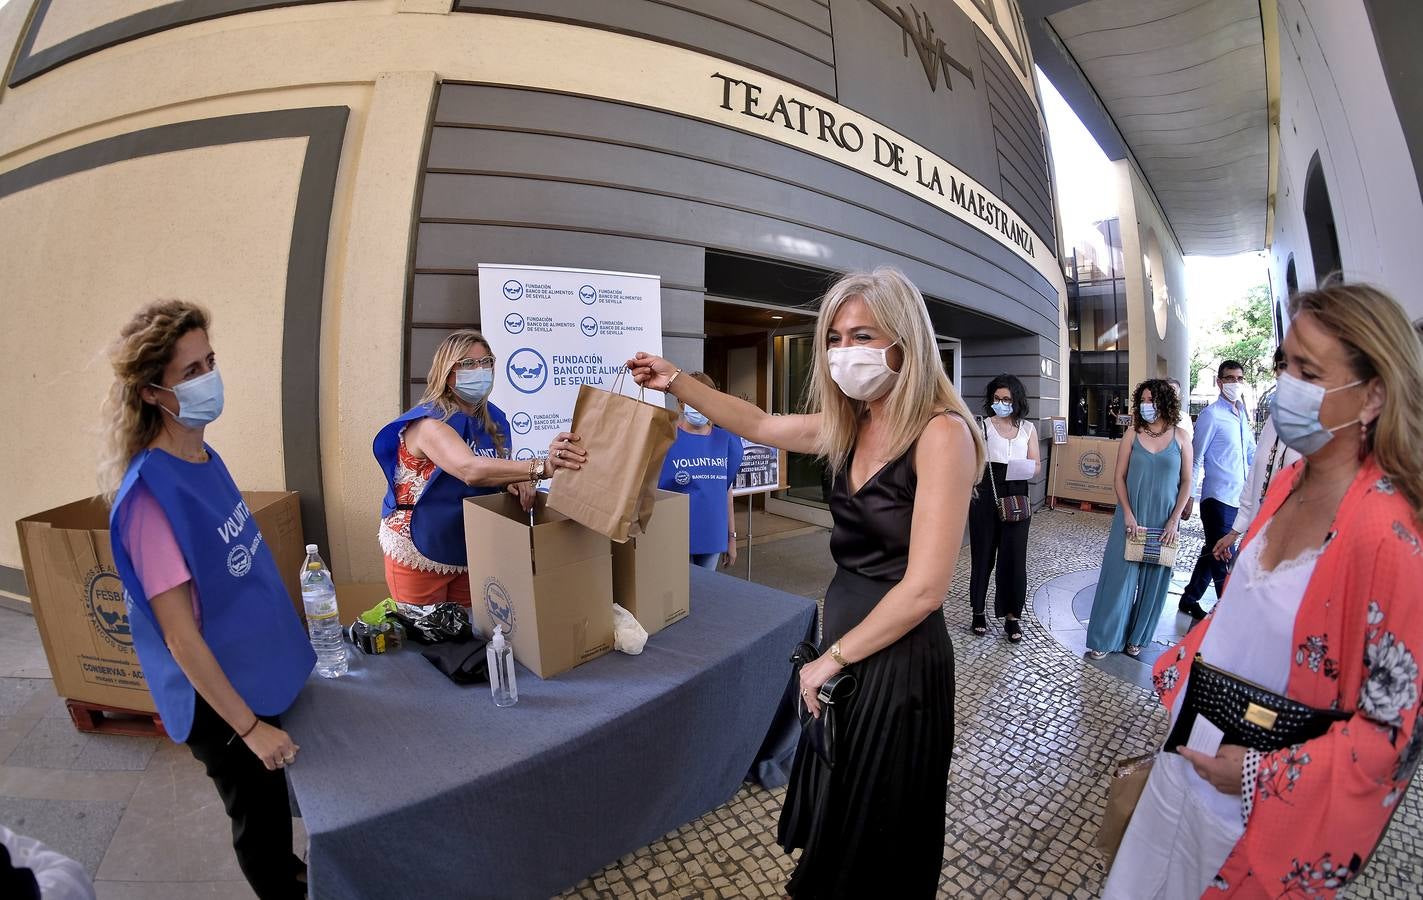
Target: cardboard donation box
650, 571
78, 600
1085, 468
549, 585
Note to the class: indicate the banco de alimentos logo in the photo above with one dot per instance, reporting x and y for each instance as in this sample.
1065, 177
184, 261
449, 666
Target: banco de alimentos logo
513, 289
588, 294
501, 608
527, 370
521, 422
104, 601
1091, 464
513, 323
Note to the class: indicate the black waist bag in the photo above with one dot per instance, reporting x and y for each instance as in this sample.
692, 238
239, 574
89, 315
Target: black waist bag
1250, 715
823, 734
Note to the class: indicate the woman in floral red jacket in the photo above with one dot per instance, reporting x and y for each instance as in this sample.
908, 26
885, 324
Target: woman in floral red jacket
1323, 607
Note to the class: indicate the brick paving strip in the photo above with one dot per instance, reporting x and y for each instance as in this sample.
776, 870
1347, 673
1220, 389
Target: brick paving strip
1036, 730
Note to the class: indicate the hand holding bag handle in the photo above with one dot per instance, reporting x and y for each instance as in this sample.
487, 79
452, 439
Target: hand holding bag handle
823, 734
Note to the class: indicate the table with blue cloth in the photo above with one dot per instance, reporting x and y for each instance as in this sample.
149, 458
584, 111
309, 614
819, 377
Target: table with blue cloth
413, 786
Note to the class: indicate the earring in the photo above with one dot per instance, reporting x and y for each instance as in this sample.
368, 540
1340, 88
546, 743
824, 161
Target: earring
1363, 441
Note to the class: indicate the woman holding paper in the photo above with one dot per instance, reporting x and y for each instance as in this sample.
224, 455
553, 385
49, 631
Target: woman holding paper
904, 455
1153, 486
1322, 609
1013, 456
453, 444
702, 463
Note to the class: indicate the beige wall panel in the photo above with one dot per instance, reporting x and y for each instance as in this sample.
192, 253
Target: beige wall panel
66, 18
182, 65
13, 16
82, 252
360, 377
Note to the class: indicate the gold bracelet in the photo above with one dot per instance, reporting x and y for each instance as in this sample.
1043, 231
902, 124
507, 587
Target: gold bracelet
835, 655
673, 378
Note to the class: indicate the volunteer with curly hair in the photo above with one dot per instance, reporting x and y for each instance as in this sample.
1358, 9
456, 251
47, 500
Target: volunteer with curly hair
213, 625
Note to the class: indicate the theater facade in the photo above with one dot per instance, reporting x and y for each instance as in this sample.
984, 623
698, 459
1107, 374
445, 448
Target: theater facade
328, 176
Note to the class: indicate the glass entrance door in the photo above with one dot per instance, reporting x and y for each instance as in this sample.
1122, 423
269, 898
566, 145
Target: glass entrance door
807, 476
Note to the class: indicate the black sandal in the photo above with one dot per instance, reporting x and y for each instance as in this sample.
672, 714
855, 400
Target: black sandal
1012, 629
980, 624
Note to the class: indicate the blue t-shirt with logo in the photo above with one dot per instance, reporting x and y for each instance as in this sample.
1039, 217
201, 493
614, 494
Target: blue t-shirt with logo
704, 466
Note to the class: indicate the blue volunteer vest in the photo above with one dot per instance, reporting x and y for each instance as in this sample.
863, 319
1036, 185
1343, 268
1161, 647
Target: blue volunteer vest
247, 617
437, 522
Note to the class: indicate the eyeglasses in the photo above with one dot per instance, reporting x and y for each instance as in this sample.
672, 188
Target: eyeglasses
1233, 379
483, 362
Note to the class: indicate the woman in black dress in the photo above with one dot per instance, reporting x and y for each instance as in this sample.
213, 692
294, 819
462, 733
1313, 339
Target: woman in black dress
895, 434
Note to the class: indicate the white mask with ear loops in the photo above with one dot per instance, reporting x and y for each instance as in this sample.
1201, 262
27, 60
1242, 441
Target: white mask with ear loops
862, 373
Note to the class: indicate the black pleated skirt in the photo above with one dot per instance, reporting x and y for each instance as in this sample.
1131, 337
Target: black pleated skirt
874, 825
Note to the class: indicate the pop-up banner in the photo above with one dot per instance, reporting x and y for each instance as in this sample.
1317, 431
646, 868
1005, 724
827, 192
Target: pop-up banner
555, 329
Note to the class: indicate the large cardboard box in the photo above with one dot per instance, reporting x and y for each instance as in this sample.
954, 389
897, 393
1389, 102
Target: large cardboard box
651, 576
549, 584
78, 600
1085, 468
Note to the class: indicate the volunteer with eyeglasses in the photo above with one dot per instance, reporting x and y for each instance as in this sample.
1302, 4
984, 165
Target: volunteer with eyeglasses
702, 463
453, 444
215, 630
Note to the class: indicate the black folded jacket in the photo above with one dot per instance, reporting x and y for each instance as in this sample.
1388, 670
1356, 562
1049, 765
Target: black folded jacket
463, 661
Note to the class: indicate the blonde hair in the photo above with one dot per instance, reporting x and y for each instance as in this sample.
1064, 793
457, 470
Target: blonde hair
921, 391
144, 348
443, 397
1381, 344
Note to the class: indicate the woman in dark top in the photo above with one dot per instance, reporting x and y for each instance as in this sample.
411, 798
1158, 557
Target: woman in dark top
897, 437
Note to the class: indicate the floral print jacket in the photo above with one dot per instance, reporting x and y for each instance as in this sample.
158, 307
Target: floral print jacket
1320, 807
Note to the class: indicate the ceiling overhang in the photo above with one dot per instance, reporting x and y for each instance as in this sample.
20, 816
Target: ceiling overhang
1179, 86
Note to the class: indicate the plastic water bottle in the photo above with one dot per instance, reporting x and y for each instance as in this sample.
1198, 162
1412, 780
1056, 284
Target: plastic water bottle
501, 670
318, 595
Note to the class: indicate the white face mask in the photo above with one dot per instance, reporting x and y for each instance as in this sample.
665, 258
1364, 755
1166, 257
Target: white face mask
862, 373
1230, 392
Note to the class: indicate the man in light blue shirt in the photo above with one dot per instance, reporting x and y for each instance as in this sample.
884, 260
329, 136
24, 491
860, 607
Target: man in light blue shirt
1224, 445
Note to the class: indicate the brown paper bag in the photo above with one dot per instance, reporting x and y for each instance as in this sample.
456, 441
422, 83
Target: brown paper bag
1128, 780
627, 441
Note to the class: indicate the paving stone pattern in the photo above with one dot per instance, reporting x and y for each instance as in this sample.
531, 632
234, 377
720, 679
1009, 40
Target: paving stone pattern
1036, 730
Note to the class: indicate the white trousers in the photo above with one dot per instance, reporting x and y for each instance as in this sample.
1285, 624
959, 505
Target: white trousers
1175, 844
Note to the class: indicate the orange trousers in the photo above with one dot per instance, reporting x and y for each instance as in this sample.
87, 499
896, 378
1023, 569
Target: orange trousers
409, 585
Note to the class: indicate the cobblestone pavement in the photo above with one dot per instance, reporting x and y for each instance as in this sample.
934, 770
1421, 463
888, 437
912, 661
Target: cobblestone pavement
1036, 729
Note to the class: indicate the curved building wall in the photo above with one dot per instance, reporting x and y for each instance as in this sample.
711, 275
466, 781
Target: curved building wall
326, 176
1356, 119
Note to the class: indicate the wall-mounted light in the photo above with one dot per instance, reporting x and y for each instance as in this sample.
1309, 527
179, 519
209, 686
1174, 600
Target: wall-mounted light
777, 318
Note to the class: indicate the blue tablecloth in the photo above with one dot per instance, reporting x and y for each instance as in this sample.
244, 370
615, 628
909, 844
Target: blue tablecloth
410, 785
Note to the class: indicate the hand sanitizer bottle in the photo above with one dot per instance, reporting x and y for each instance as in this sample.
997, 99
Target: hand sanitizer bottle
501, 670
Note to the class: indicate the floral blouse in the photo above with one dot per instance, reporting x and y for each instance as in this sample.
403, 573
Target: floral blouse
1320, 807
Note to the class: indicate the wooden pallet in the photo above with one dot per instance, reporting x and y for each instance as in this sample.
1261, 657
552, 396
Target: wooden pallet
96, 719
1083, 505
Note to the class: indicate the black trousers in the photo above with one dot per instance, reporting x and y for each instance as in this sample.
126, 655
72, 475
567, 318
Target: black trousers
1216, 519
1006, 543
256, 801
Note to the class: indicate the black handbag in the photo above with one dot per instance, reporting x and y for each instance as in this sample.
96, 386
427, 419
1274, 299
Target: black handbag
1250, 715
823, 734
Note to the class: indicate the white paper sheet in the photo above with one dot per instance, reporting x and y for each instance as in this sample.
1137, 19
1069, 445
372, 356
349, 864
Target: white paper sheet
1205, 737
1021, 469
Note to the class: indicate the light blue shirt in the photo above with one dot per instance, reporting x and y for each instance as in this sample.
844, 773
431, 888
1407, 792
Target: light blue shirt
1224, 446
